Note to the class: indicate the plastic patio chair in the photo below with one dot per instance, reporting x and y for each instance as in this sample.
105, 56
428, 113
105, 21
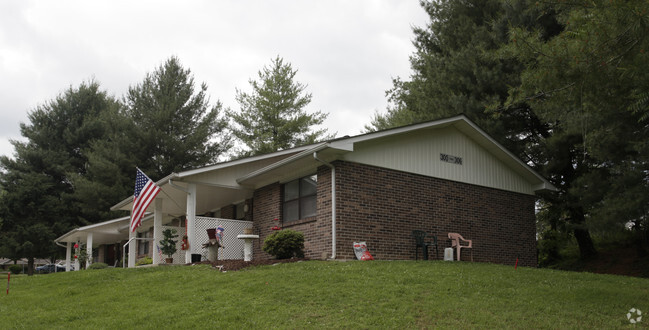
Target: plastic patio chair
456, 242
420, 237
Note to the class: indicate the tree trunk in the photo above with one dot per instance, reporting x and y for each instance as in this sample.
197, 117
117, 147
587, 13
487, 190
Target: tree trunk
585, 242
30, 266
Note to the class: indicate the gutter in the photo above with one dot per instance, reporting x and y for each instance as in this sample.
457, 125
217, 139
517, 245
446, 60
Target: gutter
178, 187
333, 203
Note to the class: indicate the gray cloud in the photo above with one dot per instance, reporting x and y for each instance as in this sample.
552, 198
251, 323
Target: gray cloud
345, 51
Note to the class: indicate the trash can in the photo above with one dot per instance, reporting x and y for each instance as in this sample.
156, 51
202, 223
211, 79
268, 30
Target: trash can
448, 254
196, 257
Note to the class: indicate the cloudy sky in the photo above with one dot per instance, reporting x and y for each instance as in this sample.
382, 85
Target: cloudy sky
347, 52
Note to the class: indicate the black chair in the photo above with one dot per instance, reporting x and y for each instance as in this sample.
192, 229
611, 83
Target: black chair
420, 242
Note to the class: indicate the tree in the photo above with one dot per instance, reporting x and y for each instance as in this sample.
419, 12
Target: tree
175, 127
38, 204
272, 116
454, 72
164, 125
459, 68
109, 170
591, 82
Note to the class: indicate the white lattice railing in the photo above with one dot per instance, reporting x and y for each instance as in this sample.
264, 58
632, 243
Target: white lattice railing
232, 246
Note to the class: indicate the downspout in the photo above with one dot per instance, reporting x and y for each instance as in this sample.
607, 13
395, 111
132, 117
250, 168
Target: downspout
333, 204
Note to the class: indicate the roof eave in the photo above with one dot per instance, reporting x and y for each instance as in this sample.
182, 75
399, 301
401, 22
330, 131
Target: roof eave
282, 162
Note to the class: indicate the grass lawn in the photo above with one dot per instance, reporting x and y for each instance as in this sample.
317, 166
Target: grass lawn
315, 294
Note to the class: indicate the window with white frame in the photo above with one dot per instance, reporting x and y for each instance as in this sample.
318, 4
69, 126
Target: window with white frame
299, 198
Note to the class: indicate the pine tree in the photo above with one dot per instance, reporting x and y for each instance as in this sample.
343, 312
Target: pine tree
38, 204
591, 82
163, 126
272, 116
459, 67
175, 126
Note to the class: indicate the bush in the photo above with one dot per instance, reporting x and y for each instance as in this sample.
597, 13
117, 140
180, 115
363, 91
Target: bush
285, 244
548, 248
16, 269
98, 265
144, 261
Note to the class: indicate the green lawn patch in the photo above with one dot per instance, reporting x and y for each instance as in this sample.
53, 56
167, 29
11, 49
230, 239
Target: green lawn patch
315, 294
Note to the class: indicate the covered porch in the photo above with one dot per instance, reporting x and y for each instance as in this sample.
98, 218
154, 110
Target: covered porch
108, 240
108, 236
196, 201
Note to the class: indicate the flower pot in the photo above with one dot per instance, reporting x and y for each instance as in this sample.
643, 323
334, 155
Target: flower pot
169, 261
247, 231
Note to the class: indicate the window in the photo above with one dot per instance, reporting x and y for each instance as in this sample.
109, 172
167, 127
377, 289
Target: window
300, 198
239, 211
143, 246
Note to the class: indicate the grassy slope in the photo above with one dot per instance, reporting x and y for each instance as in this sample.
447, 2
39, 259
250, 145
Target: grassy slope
375, 294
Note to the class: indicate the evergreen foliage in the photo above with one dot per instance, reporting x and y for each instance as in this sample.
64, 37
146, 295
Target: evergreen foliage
591, 83
168, 244
562, 85
38, 203
16, 269
273, 115
165, 125
176, 128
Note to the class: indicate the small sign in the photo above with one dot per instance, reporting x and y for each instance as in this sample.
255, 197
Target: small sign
450, 159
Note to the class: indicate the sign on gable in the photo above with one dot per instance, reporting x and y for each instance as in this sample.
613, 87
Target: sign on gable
450, 159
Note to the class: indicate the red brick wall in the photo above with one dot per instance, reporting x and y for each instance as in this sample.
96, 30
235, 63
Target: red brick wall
316, 230
267, 207
382, 207
227, 212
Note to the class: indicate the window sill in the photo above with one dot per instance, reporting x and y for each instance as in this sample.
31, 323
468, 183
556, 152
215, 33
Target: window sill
300, 222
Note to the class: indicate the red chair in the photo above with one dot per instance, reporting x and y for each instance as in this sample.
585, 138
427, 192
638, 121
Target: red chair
456, 242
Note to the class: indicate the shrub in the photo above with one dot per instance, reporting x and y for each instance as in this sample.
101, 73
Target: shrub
16, 269
98, 265
285, 244
168, 244
144, 261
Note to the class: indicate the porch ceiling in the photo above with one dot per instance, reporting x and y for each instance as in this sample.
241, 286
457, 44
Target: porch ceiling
107, 232
208, 197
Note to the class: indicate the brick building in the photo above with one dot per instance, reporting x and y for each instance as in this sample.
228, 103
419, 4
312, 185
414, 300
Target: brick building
441, 176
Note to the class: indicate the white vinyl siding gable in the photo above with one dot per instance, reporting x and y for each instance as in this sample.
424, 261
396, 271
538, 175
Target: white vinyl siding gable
419, 152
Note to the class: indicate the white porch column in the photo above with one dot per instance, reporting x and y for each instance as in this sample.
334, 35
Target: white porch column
132, 246
157, 230
68, 256
89, 250
191, 221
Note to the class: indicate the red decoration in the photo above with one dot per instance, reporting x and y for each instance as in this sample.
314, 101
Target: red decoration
75, 256
276, 228
185, 245
76, 246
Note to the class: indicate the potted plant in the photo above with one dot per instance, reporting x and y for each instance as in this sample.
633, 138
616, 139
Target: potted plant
168, 244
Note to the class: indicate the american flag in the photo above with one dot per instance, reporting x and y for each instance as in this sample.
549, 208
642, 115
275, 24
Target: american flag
145, 191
